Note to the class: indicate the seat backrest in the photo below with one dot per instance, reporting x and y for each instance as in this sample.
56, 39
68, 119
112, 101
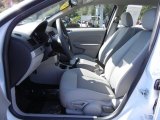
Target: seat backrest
118, 38
122, 67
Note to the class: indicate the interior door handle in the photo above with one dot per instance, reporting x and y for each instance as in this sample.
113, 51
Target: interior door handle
81, 50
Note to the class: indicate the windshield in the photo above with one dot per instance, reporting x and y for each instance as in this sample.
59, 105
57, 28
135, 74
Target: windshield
46, 13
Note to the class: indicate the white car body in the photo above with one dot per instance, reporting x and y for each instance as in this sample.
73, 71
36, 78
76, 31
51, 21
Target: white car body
140, 103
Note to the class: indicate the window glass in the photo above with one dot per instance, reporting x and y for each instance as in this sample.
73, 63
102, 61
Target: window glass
46, 12
94, 16
5, 4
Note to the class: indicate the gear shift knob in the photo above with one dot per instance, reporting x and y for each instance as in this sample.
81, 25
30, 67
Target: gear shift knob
74, 62
77, 60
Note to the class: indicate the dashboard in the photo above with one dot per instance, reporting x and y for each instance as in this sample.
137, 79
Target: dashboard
27, 49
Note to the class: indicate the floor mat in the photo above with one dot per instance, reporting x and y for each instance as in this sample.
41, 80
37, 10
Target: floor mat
35, 106
51, 107
38, 100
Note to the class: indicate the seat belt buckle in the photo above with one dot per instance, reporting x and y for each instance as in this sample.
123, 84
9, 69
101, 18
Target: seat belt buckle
99, 63
98, 70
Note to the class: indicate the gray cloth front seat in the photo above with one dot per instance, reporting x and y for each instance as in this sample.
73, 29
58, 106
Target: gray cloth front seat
112, 43
84, 92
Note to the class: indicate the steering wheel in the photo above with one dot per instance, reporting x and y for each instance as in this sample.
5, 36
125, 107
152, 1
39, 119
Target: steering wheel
64, 38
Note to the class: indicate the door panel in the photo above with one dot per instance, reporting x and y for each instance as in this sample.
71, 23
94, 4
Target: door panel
86, 40
86, 27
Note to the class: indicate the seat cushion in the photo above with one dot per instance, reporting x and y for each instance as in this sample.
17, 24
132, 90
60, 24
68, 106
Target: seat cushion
80, 85
86, 62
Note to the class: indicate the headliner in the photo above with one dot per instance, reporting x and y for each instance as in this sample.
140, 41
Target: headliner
128, 2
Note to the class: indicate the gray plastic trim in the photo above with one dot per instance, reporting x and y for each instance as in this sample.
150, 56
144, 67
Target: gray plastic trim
37, 56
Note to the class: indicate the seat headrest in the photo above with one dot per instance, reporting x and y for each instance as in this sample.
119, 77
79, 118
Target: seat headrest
126, 19
149, 18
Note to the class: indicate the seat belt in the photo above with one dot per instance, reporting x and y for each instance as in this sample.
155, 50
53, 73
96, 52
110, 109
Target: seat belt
97, 69
111, 31
107, 25
113, 28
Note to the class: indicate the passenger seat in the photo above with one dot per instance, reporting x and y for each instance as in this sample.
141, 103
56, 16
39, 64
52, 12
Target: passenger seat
84, 92
112, 44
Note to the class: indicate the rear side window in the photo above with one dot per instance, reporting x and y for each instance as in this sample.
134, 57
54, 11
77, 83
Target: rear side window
93, 16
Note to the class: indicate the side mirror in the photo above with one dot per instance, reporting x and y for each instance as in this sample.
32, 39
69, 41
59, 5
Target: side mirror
73, 2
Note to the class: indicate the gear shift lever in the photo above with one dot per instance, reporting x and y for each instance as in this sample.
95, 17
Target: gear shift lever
74, 62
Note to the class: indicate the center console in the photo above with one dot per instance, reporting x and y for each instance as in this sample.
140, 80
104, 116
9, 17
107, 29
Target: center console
50, 71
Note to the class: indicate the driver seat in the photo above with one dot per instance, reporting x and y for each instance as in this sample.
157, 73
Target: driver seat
111, 45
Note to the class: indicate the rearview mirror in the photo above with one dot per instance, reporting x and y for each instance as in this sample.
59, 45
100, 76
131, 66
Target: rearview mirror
73, 2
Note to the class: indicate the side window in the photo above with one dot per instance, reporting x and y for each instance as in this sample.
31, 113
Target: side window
94, 16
